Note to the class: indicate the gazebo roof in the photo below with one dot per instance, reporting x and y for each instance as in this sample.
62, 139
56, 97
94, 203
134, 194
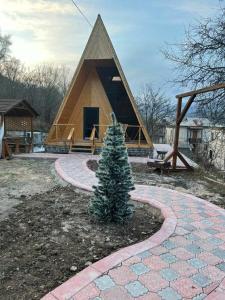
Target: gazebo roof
22, 107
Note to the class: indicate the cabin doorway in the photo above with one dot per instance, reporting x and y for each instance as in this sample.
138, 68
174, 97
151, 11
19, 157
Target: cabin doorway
91, 118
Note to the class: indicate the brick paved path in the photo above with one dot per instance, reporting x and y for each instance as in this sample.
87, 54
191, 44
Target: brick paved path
184, 260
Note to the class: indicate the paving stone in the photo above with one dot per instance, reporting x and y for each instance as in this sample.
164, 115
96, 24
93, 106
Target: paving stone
132, 260
159, 250
220, 253
189, 227
136, 289
221, 217
186, 288
96, 298
153, 281
201, 280
210, 288
209, 258
180, 231
212, 231
207, 222
180, 241
104, 282
155, 262
117, 275
192, 237
169, 258
197, 263
169, 294
149, 296
169, 274
144, 254
194, 248
168, 244
90, 291
213, 273
205, 246
202, 234
215, 241
183, 268
117, 292
139, 268
200, 297
182, 253
187, 220
221, 235
204, 215
221, 266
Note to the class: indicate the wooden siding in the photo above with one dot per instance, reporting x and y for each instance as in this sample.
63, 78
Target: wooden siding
83, 92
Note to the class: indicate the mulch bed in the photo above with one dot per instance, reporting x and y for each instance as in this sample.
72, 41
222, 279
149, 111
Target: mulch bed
208, 186
136, 167
49, 237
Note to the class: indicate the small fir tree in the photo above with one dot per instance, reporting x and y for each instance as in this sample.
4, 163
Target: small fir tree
110, 202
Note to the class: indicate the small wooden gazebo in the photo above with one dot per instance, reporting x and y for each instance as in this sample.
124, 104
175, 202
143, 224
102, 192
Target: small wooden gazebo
16, 126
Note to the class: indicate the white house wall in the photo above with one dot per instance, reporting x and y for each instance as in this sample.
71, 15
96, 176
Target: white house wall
1, 132
217, 146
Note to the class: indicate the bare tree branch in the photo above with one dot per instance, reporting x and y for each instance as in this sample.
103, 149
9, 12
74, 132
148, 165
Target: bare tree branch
200, 61
155, 109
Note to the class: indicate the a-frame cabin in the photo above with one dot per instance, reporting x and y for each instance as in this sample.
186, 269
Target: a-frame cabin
97, 89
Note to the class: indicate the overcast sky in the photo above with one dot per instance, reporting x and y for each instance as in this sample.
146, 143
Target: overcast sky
54, 31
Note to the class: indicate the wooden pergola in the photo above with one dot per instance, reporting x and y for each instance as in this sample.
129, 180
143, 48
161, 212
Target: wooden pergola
16, 116
180, 116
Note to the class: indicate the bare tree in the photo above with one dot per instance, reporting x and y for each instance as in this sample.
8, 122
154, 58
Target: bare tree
43, 91
64, 79
156, 109
200, 61
14, 71
4, 46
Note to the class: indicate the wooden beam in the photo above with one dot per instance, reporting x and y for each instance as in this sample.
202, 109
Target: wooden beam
203, 90
184, 161
169, 156
177, 130
185, 109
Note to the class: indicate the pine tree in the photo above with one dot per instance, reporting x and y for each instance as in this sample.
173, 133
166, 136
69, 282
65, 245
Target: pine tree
110, 202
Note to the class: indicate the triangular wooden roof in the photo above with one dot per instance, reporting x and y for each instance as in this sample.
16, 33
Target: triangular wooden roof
99, 46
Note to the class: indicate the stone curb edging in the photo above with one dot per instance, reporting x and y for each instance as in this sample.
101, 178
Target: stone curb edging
87, 275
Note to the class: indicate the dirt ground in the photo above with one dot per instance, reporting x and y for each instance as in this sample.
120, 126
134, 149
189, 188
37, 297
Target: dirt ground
47, 235
198, 183
19, 178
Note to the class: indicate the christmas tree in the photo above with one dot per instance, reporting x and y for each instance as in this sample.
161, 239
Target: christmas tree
110, 202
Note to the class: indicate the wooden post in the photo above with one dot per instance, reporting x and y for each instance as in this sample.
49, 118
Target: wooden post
186, 108
177, 129
184, 161
74, 136
139, 136
6, 153
56, 132
17, 149
32, 134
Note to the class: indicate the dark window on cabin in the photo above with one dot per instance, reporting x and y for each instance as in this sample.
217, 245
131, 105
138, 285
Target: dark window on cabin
91, 118
210, 154
119, 99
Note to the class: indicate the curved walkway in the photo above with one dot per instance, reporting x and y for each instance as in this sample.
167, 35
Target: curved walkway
185, 259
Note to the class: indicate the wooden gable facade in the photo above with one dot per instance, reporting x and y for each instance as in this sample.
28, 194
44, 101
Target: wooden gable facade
98, 88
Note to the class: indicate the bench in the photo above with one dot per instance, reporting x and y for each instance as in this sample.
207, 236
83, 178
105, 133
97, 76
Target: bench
161, 165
